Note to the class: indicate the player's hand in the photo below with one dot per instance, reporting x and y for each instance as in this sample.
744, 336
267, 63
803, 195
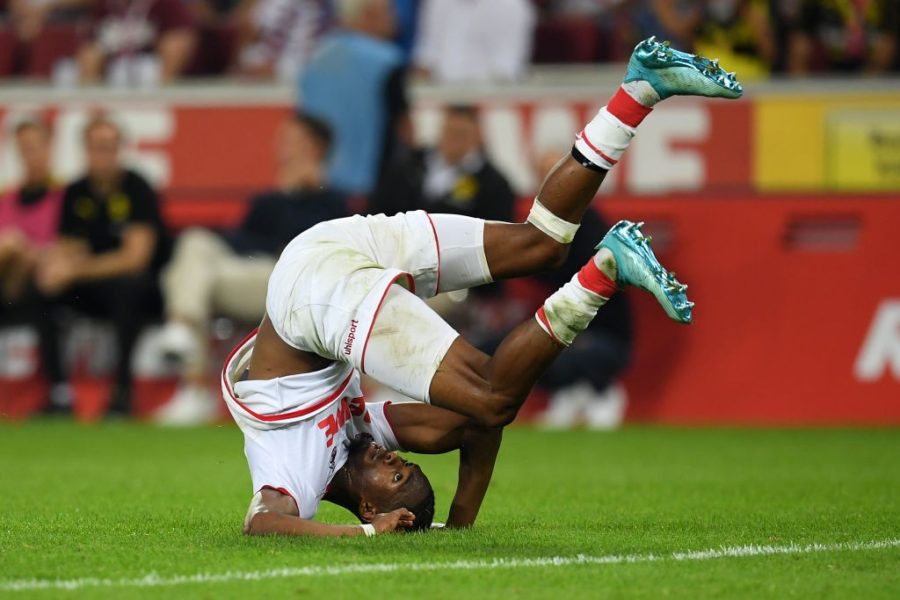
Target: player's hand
394, 520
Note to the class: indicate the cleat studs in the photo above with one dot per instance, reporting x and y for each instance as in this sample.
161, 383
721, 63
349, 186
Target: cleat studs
639, 225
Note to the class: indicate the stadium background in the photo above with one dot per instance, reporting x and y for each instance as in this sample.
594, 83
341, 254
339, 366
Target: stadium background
759, 457
782, 210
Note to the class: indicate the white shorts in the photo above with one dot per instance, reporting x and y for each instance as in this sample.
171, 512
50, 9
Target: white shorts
332, 281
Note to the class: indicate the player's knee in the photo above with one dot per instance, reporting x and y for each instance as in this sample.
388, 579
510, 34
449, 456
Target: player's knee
501, 413
552, 253
500, 418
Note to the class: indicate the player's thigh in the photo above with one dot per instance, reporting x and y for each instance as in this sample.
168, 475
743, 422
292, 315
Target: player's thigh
462, 384
405, 344
239, 287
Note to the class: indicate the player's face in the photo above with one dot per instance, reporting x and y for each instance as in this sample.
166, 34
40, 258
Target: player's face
384, 473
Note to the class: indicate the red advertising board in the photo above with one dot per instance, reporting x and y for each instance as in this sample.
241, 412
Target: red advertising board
797, 318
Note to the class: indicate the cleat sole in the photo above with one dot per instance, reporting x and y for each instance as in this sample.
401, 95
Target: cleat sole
675, 73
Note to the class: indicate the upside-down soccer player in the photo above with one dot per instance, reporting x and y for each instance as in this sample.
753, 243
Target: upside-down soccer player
346, 297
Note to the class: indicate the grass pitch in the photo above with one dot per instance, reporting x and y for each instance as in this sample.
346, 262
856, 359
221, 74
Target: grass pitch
104, 507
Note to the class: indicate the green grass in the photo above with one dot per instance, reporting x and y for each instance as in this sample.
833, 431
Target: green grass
121, 501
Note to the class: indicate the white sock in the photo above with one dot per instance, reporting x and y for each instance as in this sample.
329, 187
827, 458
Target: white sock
604, 140
569, 310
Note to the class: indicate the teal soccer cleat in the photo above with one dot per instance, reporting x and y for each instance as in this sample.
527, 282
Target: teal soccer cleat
674, 73
636, 265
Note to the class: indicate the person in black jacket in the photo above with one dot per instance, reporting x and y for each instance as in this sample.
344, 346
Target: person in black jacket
227, 274
453, 177
112, 244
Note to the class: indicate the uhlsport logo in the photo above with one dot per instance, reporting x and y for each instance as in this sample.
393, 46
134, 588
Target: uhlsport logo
348, 345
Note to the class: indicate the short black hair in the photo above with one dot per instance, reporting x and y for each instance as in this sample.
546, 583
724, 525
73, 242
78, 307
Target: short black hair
317, 128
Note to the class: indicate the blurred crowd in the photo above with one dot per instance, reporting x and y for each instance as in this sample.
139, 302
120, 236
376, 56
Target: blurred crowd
147, 42
99, 246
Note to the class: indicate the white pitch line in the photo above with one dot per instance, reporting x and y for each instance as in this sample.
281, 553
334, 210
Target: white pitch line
156, 580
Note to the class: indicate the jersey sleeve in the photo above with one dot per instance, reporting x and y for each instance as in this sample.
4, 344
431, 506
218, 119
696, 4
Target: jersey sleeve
374, 418
276, 463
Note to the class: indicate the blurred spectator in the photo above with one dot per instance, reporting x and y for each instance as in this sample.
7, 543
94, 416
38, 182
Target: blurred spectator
583, 380
282, 36
106, 262
356, 82
227, 275
673, 20
475, 40
739, 33
453, 177
210, 11
406, 13
29, 215
28, 16
137, 42
841, 34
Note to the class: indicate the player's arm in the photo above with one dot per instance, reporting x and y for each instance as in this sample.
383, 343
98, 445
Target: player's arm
428, 429
477, 455
274, 513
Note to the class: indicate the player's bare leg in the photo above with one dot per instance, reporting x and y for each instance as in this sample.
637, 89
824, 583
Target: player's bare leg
492, 389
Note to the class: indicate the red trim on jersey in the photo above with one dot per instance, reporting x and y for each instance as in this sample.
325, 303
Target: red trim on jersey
437, 244
412, 286
593, 279
390, 422
283, 491
319, 404
627, 109
542, 317
584, 136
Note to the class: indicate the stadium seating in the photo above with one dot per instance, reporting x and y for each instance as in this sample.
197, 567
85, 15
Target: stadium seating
567, 41
55, 41
217, 46
8, 46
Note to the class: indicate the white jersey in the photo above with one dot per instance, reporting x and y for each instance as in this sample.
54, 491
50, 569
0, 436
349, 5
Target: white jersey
295, 427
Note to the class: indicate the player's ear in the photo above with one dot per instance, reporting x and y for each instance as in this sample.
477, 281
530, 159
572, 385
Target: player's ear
367, 511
